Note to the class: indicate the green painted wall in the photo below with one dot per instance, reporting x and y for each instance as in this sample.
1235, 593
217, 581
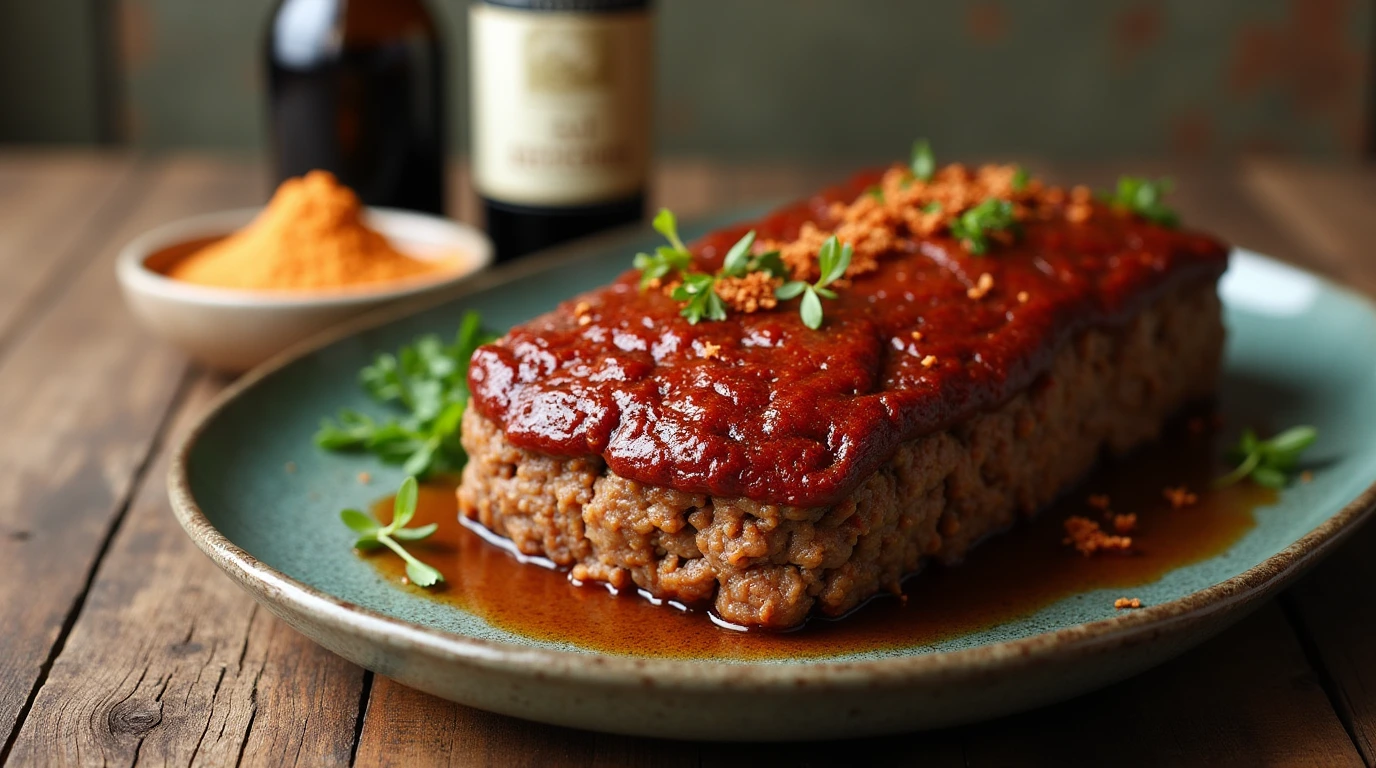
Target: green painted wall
856, 79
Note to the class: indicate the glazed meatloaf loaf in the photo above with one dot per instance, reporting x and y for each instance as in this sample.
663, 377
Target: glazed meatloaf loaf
987, 340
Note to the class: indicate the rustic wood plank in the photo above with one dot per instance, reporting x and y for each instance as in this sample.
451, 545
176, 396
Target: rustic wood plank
1325, 207
1247, 697
1335, 607
170, 663
82, 395
48, 204
405, 727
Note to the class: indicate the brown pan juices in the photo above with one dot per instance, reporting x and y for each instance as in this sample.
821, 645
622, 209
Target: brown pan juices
1006, 578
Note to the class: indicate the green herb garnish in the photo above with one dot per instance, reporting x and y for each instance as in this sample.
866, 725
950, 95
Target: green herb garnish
428, 380
698, 290
973, 227
1144, 198
1268, 462
875, 191
373, 534
667, 259
1020, 179
833, 260
923, 163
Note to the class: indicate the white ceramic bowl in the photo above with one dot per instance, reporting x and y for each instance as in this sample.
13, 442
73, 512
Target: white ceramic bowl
233, 330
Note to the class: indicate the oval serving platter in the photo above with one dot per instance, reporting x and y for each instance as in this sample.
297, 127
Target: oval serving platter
1300, 350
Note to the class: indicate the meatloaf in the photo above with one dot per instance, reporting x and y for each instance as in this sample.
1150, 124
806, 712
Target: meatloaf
768, 470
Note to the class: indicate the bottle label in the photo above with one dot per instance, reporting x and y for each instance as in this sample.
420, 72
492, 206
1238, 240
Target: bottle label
561, 105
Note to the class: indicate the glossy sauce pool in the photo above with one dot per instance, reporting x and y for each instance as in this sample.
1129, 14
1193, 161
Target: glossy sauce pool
1005, 578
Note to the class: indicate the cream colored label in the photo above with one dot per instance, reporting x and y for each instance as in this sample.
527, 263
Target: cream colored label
561, 105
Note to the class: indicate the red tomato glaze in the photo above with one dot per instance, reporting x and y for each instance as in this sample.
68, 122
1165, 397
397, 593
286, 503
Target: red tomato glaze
788, 415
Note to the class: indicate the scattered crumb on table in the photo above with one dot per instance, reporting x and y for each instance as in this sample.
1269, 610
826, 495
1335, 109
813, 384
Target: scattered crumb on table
1127, 603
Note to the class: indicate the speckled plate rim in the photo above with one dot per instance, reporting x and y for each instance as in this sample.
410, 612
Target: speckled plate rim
1232, 598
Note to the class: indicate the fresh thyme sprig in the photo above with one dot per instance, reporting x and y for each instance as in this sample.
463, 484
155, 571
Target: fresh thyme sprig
1144, 198
428, 380
974, 226
923, 162
1268, 462
373, 534
833, 260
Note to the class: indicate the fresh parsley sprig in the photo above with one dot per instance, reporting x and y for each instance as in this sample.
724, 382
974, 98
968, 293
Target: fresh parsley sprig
833, 260
974, 226
1145, 198
373, 534
1268, 462
428, 381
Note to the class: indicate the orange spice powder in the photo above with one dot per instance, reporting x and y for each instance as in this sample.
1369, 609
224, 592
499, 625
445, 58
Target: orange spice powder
310, 237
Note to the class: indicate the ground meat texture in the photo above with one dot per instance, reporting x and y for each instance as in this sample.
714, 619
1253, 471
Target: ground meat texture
1107, 390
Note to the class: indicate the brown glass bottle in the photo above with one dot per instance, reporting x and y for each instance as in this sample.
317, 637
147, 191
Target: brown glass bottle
356, 88
561, 100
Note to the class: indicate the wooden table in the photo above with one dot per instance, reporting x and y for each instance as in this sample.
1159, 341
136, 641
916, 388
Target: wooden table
123, 645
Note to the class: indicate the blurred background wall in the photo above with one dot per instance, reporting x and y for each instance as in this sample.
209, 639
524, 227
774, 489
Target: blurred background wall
834, 79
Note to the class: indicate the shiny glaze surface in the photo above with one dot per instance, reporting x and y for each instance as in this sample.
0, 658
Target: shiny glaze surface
784, 414
1010, 576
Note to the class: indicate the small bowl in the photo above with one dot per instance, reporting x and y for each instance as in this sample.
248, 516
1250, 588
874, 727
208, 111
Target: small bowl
233, 330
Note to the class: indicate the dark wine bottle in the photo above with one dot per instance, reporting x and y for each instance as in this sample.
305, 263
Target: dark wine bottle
356, 88
561, 117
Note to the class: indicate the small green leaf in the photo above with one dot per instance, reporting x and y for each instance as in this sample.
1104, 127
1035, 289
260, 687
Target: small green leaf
422, 575
738, 258
415, 534
421, 459
811, 309
790, 290
770, 263
1293, 440
834, 269
358, 521
1020, 179
932, 207
1269, 477
923, 162
367, 542
665, 224
875, 191
404, 507
1144, 198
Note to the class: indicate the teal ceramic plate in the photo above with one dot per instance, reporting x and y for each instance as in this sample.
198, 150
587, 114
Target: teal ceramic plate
1300, 351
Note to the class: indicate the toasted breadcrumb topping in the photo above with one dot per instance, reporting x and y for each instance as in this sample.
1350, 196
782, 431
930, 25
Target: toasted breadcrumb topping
902, 208
1307, 476
1023, 297
1088, 538
981, 287
1180, 497
581, 311
710, 350
1099, 501
917, 335
364, 478
751, 293
1127, 603
1124, 523
929, 361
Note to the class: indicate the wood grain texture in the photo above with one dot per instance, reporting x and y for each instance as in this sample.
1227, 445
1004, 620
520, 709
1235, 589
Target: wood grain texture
82, 395
1246, 697
1331, 210
1326, 208
405, 727
50, 206
170, 663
